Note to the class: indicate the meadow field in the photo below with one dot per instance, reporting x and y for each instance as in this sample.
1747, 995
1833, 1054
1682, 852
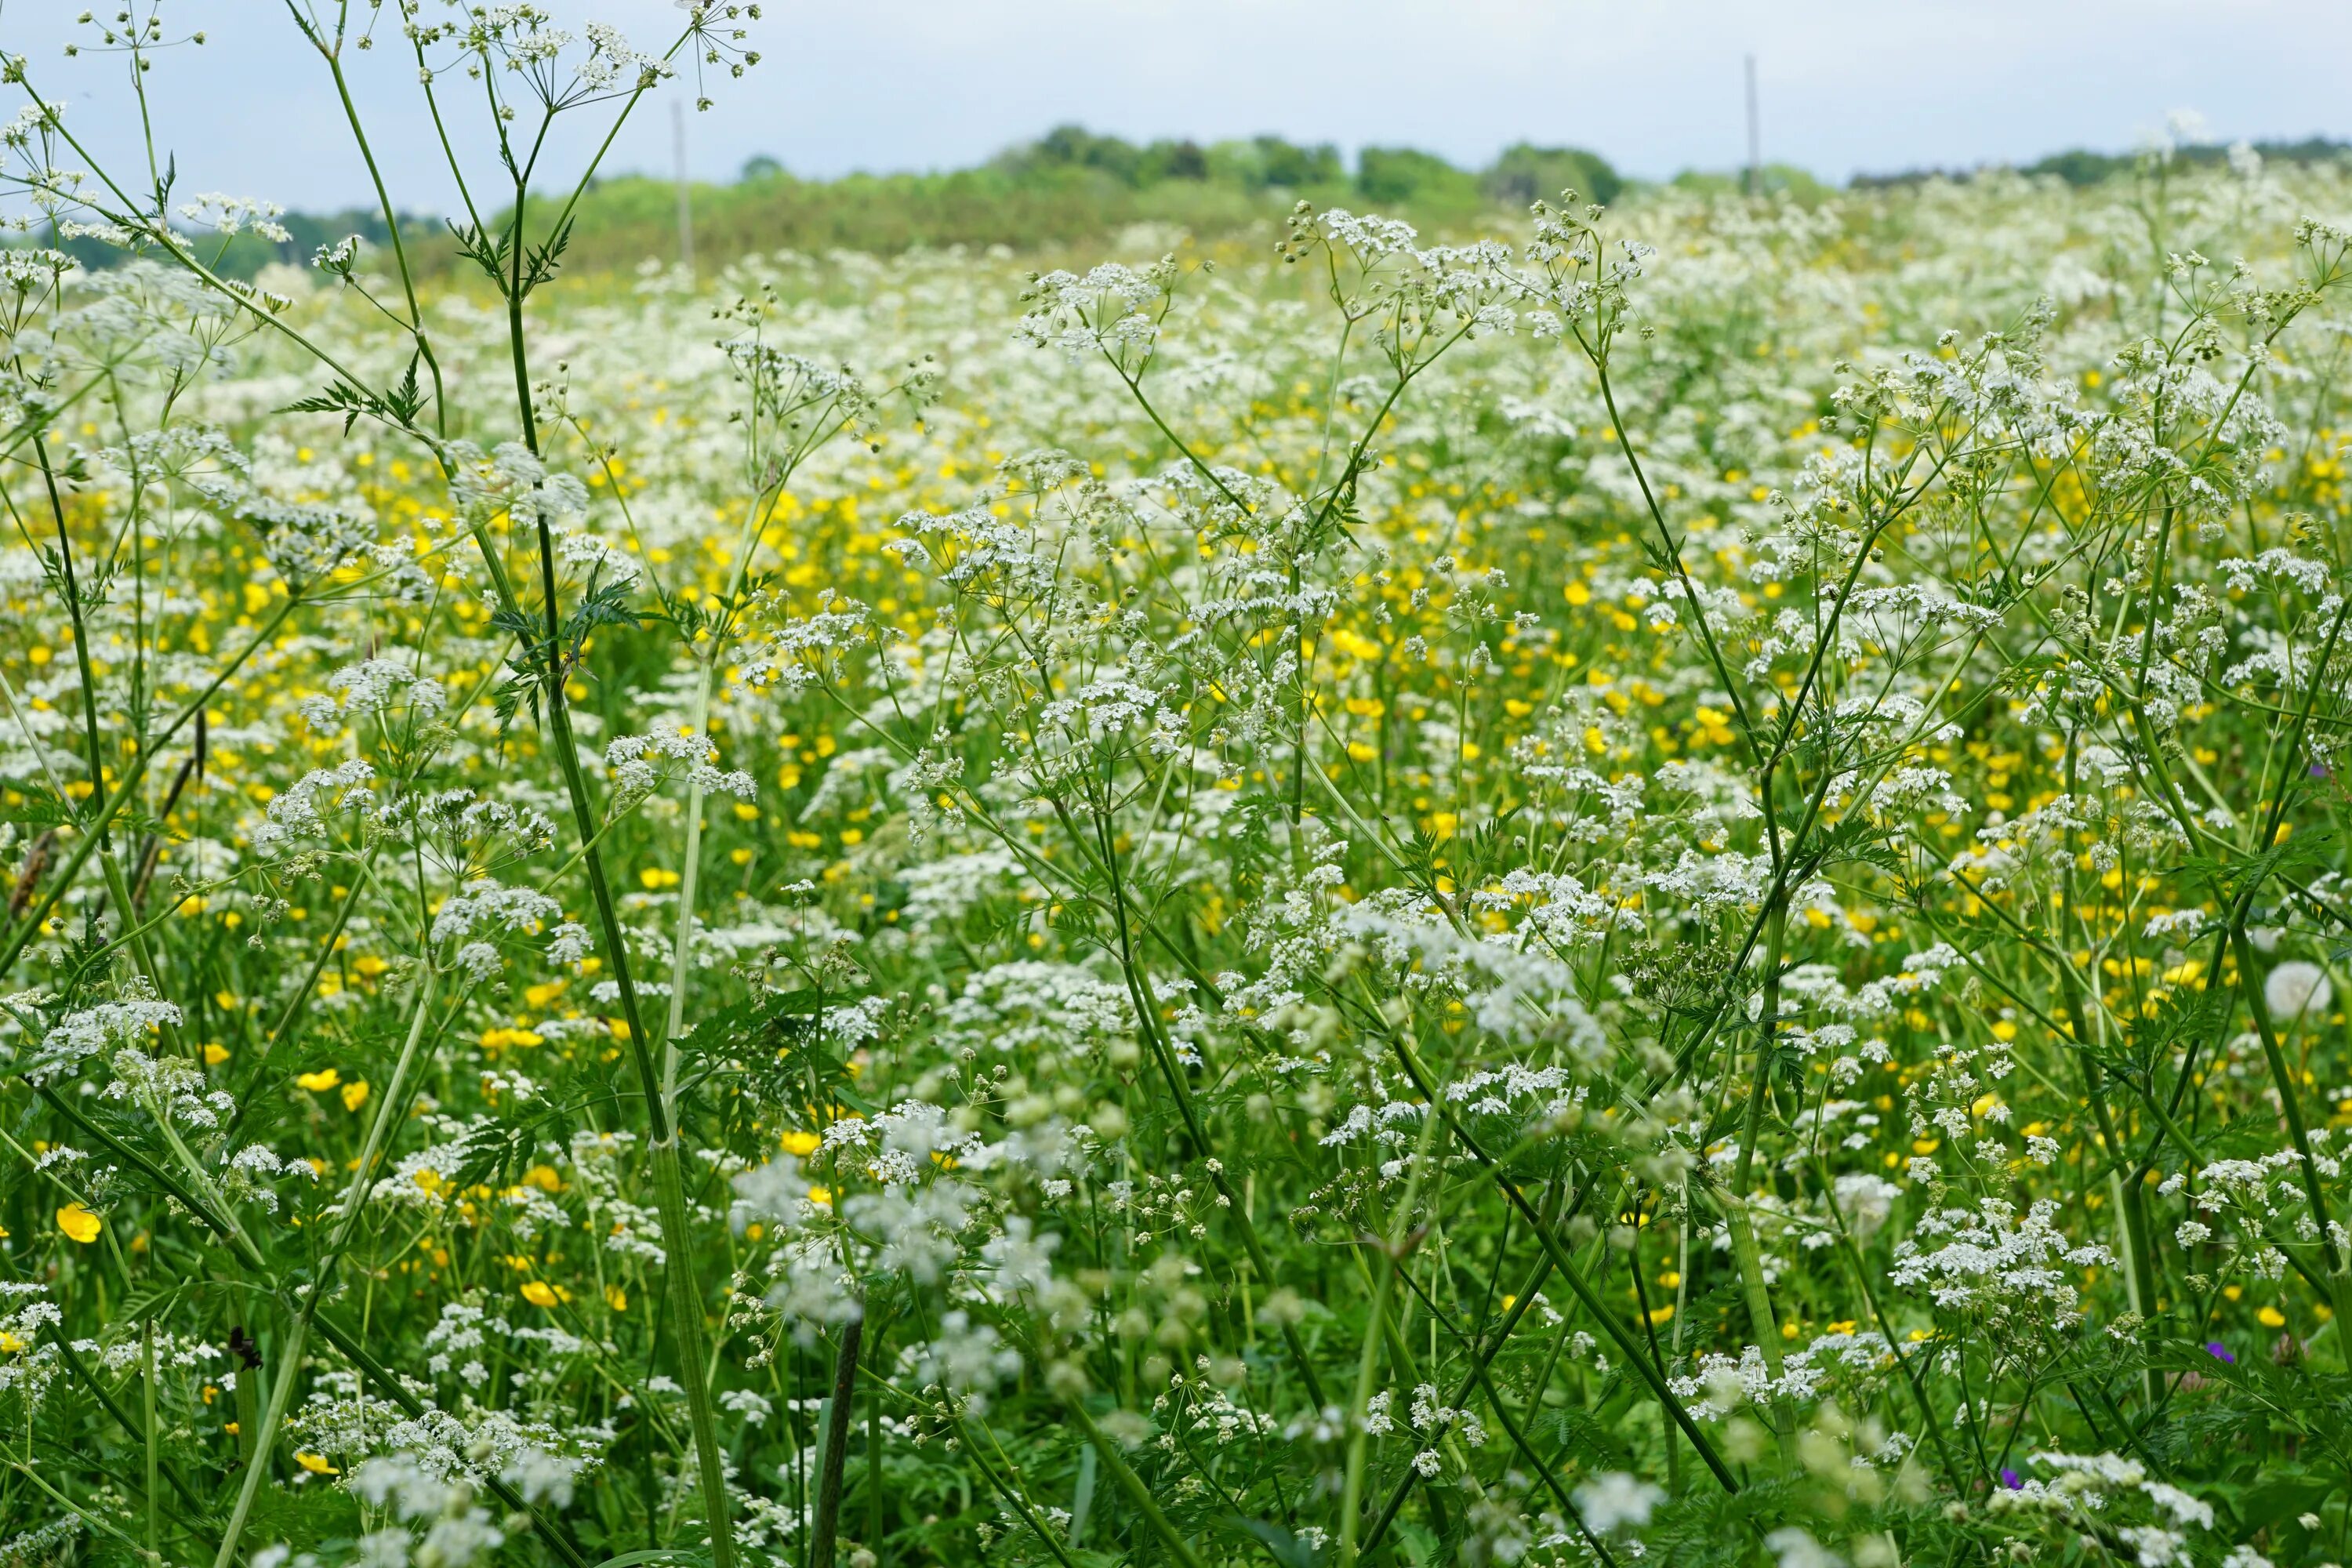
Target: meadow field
1660, 884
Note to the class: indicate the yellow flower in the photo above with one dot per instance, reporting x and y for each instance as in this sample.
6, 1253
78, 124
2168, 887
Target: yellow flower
79, 1224
822, 1197
9, 1344
616, 1298
320, 1081
799, 1145
2271, 1318
539, 1293
316, 1464
355, 1094
216, 1054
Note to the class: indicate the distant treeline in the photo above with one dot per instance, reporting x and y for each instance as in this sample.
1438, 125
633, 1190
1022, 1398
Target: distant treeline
2081, 167
1068, 187
1071, 186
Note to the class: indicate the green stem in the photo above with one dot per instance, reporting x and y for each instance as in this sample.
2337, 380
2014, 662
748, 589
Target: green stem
1762, 1318
202, 1203
1132, 1484
111, 802
1368, 1368
836, 1444
669, 1183
91, 1520
1481, 1357
294, 1005
290, 1348
1627, 1346
1853, 1251
80, 635
80, 1369
1368, 1365
154, 1462
1012, 1494
681, 962
2339, 1281
1147, 1025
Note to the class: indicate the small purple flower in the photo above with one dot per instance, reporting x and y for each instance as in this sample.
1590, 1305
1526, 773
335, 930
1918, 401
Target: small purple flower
2219, 1352
2009, 1478
2319, 771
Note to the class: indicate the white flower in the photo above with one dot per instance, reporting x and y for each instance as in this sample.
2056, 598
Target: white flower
2295, 988
486, 905
968, 1358
1615, 1498
753, 1406
541, 1477
1797, 1549
87, 1033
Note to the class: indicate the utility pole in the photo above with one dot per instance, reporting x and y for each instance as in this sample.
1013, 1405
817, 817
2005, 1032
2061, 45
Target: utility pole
1755, 137
684, 197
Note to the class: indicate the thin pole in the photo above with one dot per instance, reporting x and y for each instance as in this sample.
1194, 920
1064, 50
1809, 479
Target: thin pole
686, 201
1755, 137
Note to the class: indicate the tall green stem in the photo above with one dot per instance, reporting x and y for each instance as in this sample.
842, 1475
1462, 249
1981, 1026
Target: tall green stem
1368, 1365
1127, 1481
1735, 1218
681, 964
2339, 1281
154, 1461
670, 1182
838, 1411
1627, 1346
297, 1336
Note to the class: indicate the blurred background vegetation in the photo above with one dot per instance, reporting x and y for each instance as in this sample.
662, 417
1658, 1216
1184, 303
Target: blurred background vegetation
1071, 187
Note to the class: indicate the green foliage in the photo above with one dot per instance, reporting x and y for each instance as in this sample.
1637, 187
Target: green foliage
1526, 173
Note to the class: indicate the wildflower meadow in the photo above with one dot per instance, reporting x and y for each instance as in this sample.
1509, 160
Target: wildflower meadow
1660, 884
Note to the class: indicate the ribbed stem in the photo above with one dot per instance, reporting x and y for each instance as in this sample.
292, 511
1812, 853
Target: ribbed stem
669, 1182
836, 1440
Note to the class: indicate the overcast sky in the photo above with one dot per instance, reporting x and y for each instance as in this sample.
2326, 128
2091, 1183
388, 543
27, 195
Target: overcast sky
1654, 85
